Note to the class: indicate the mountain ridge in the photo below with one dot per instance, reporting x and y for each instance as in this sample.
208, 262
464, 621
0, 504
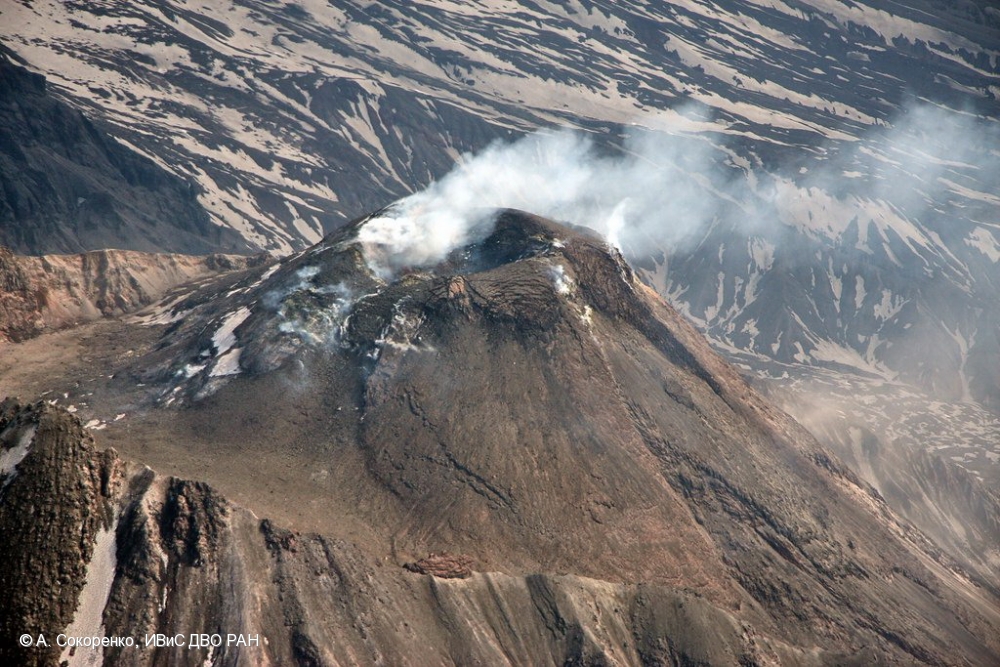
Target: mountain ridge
609, 443
180, 541
48, 292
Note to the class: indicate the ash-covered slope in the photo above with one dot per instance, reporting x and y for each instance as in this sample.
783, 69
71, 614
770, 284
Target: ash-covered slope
128, 553
526, 405
67, 186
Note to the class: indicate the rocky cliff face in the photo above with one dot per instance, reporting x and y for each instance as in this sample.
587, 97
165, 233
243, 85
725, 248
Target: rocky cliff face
523, 414
51, 292
20, 301
56, 509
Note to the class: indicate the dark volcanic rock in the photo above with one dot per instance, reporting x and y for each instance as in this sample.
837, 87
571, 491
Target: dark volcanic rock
292, 119
53, 503
625, 496
529, 403
188, 562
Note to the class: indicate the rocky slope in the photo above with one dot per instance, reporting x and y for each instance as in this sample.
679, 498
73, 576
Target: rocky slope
296, 117
68, 186
57, 499
528, 409
842, 156
163, 555
903, 443
40, 294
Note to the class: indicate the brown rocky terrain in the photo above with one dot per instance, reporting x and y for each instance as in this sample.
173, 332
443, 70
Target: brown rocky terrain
55, 291
616, 491
186, 557
54, 502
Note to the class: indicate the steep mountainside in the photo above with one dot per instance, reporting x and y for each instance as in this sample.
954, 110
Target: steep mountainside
163, 555
839, 170
67, 186
525, 405
294, 117
55, 291
900, 447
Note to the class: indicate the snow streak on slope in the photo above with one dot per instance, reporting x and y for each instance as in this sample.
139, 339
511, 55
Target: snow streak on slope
292, 117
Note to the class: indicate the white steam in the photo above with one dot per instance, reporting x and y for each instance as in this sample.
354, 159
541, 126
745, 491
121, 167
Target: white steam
559, 175
314, 313
662, 185
561, 280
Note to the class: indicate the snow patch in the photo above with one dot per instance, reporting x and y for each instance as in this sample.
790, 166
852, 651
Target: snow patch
225, 337
9, 458
712, 311
889, 306
836, 284
88, 621
761, 252
227, 364
164, 313
267, 274
190, 370
859, 292
983, 240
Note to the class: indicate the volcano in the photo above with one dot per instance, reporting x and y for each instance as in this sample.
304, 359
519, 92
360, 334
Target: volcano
811, 183
516, 454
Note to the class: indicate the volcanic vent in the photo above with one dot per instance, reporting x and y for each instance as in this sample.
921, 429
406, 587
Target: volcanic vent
523, 401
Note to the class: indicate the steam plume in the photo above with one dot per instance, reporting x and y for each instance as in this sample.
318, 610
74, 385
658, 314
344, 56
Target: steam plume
661, 186
560, 175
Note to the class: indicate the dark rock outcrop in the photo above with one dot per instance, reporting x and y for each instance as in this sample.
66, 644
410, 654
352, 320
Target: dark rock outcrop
443, 566
53, 504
